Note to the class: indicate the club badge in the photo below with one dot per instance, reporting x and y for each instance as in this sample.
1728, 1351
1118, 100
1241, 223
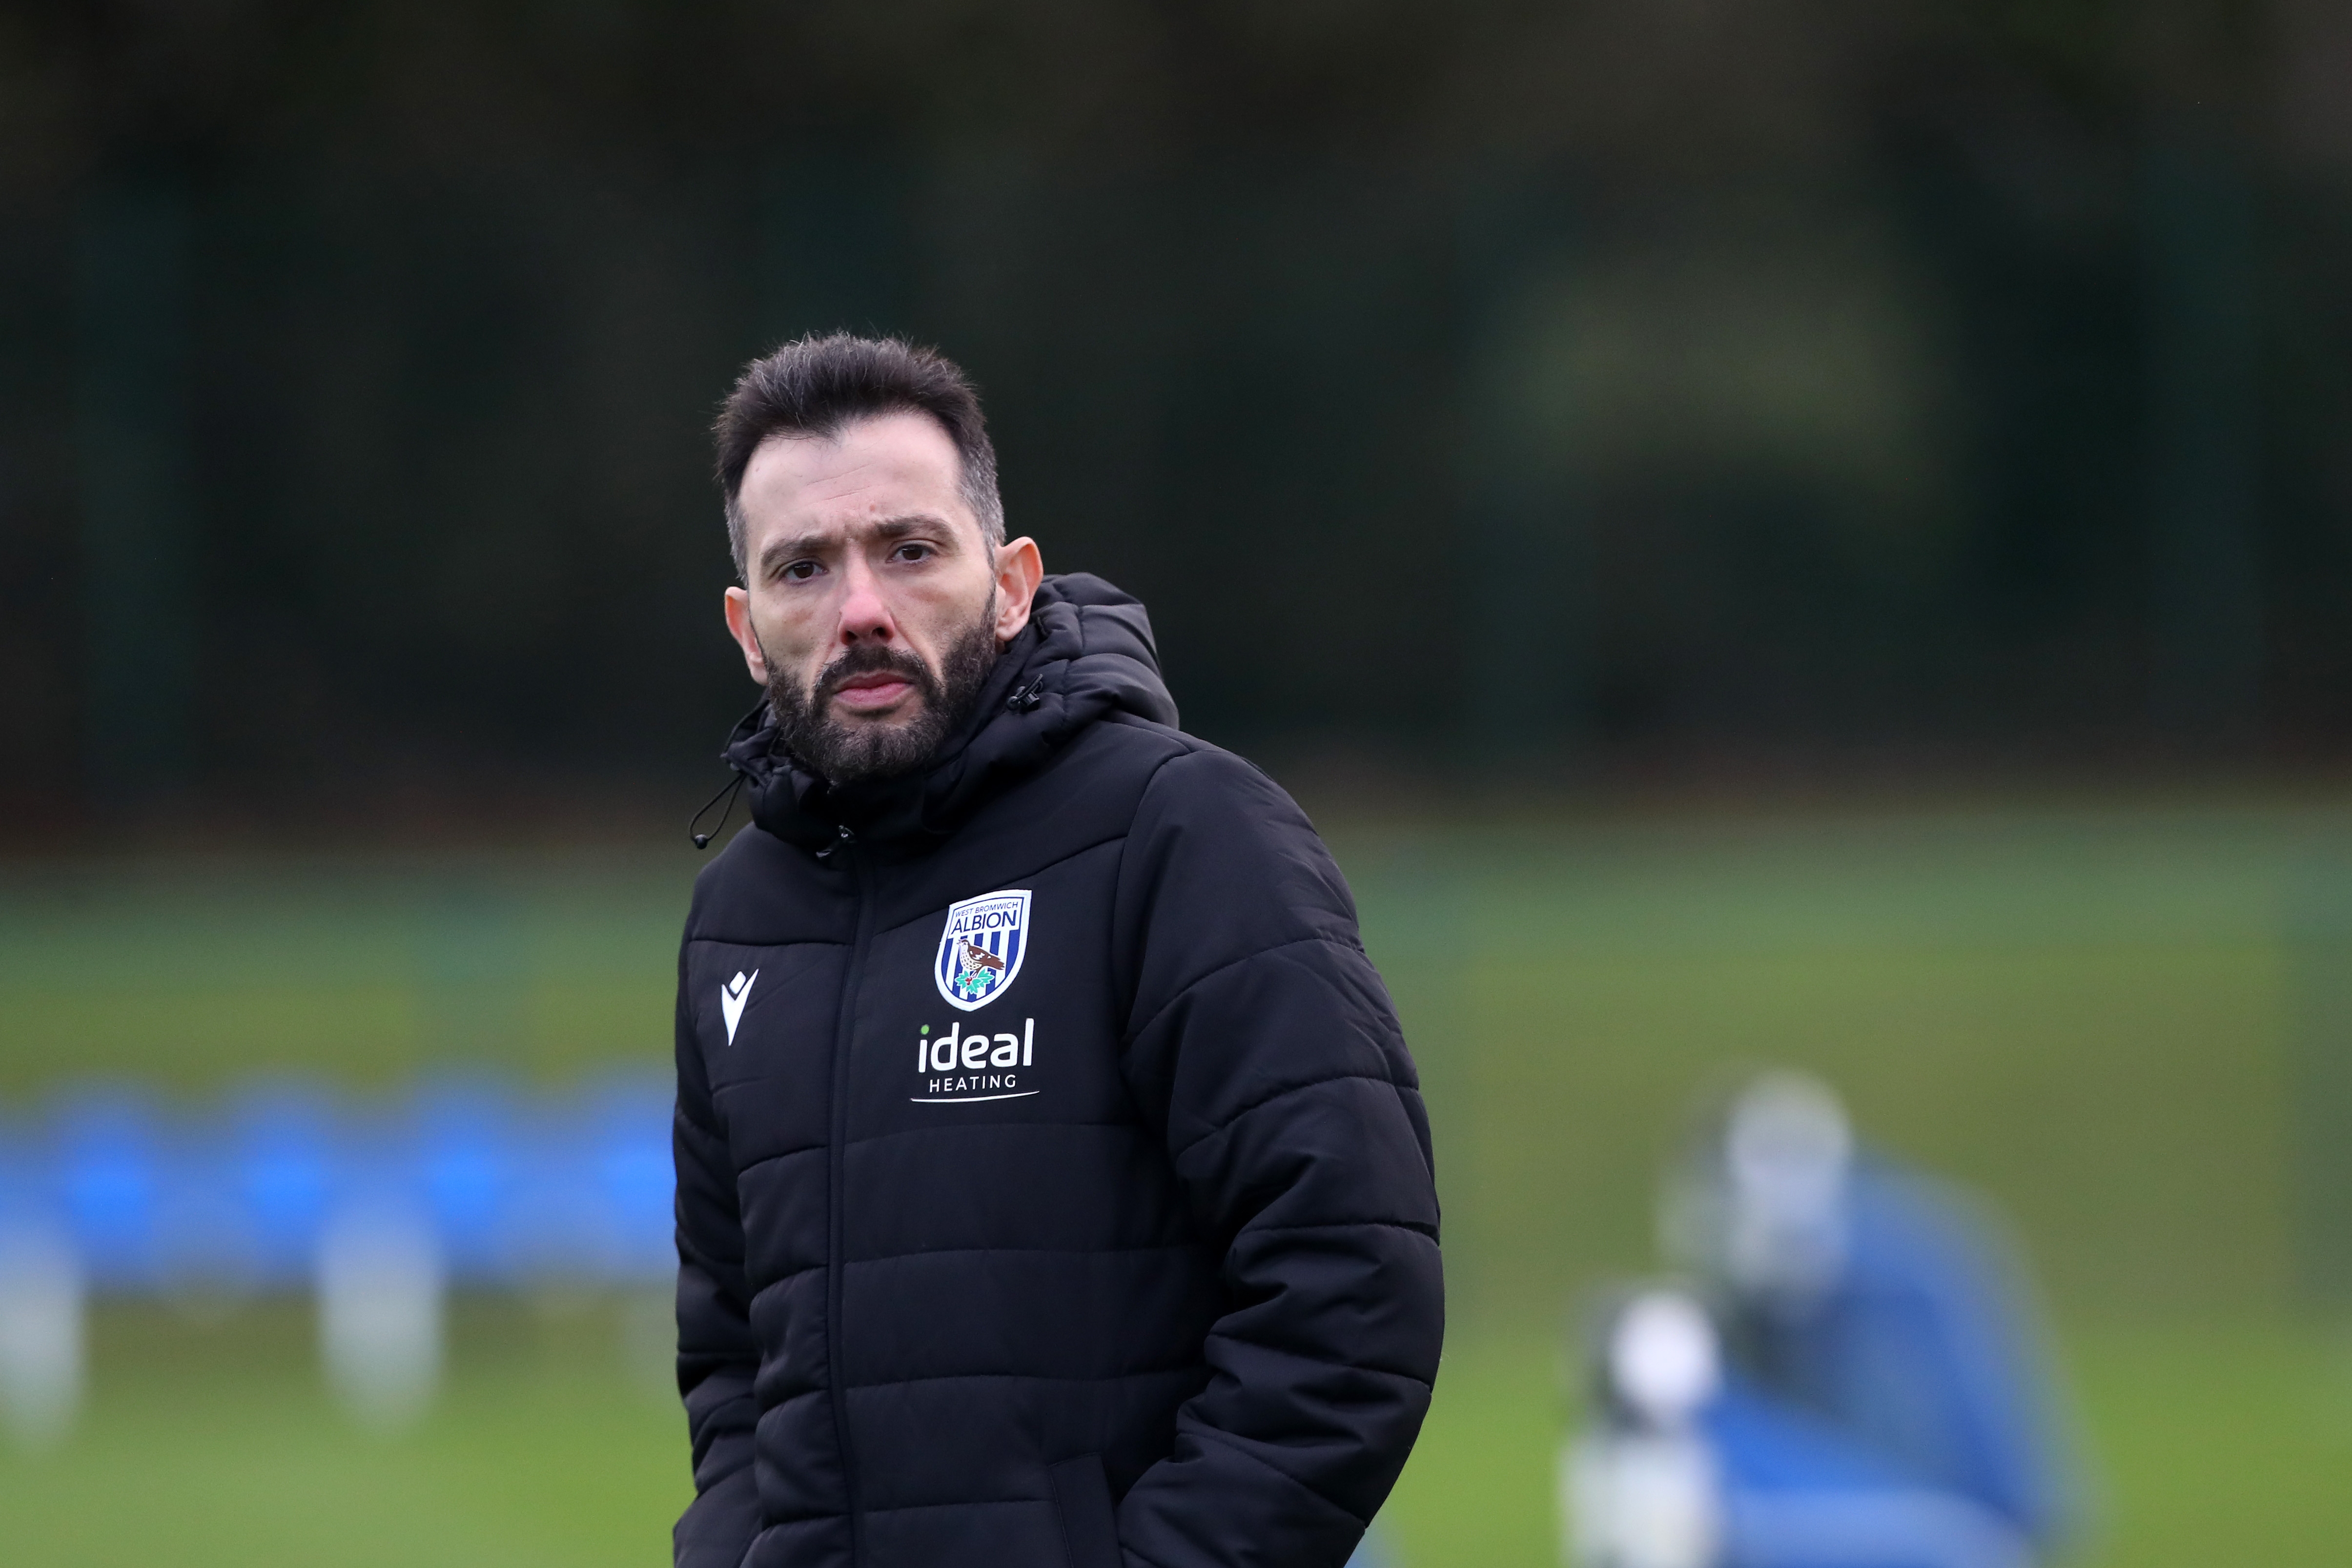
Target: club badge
982, 950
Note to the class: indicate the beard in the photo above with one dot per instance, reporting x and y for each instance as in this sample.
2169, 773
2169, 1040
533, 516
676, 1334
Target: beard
850, 752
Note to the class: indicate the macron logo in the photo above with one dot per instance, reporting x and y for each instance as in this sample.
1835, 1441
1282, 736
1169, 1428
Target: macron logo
731, 997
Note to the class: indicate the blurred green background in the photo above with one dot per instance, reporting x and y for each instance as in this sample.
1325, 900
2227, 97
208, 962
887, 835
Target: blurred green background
2102, 1019
1796, 389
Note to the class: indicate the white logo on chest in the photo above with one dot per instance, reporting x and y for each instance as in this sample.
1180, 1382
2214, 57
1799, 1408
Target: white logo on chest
732, 995
961, 1068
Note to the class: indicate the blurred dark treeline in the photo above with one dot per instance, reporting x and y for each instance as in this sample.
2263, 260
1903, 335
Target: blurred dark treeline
1649, 388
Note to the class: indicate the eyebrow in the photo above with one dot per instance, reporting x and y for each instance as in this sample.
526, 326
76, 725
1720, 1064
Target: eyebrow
783, 552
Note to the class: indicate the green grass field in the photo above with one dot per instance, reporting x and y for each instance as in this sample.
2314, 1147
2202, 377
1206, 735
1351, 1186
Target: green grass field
215, 1445
2104, 1022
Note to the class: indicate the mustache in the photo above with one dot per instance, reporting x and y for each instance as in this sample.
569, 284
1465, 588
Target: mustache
868, 659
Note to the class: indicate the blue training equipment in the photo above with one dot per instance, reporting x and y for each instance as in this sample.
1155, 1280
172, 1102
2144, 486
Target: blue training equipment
574, 1187
1920, 1351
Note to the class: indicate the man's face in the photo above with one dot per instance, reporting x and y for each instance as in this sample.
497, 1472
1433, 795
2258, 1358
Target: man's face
873, 605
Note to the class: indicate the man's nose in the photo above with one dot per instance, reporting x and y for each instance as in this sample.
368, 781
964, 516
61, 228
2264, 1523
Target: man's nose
864, 618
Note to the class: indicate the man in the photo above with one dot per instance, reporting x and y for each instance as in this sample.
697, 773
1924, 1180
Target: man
1884, 1402
1053, 1185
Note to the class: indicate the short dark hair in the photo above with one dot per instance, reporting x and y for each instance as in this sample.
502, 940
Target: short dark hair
819, 386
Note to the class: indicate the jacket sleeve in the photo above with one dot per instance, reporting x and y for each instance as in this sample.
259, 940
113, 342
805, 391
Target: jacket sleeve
717, 1359
1263, 1042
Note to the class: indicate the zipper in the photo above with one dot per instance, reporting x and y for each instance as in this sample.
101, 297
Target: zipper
836, 1163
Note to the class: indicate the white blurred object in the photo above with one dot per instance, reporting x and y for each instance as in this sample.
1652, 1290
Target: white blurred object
42, 1341
1785, 1157
1663, 1364
1764, 1210
1641, 1490
1638, 1502
382, 1286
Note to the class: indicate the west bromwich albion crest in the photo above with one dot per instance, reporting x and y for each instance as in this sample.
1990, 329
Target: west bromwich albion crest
981, 948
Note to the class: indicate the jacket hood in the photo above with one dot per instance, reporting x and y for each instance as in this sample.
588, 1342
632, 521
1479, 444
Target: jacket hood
1086, 654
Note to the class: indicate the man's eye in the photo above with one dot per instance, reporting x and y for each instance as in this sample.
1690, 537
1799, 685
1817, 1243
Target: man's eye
799, 571
913, 552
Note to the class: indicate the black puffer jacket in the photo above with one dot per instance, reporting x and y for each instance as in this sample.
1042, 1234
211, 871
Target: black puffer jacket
1053, 1181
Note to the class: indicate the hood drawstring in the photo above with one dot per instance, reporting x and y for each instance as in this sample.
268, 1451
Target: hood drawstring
702, 840
1023, 698
746, 728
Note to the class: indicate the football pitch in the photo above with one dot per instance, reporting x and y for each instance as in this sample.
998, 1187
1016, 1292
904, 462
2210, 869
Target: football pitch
213, 1445
2112, 1023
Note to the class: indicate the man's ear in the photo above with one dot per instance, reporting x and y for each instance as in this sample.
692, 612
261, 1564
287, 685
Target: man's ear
1019, 570
739, 626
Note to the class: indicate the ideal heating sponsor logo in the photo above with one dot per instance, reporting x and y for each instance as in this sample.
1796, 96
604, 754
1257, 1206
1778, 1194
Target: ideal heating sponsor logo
961, 1068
